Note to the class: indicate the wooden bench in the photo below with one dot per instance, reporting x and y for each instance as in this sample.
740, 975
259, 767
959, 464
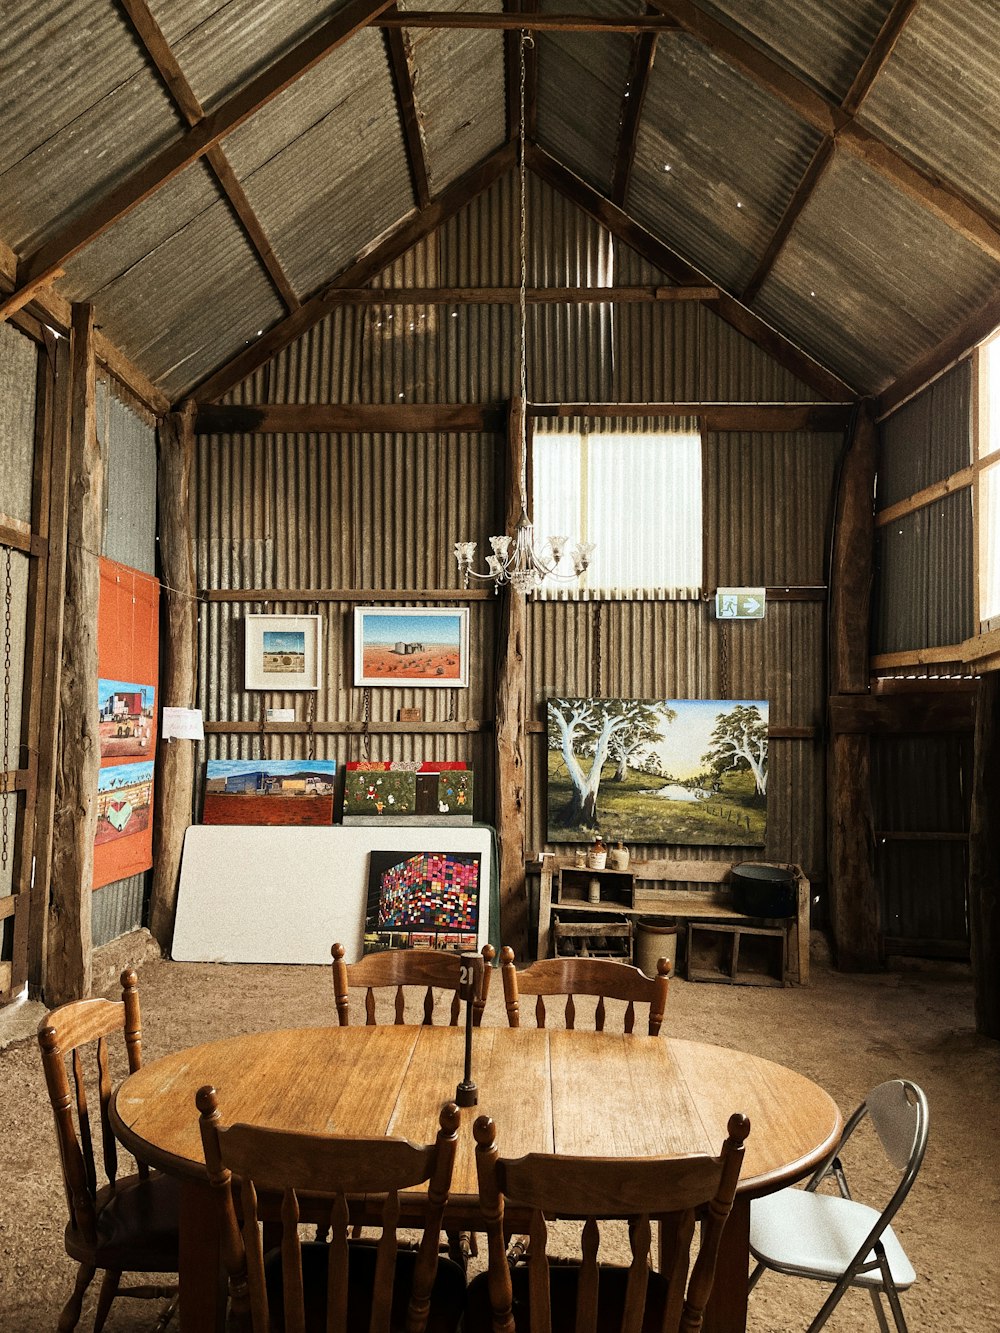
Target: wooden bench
681, 891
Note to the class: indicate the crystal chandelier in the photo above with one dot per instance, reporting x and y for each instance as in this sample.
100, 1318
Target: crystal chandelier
516, 560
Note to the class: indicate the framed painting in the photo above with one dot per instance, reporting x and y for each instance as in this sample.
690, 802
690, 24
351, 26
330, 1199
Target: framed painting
397, 645
422, 900
281, 652
688, 771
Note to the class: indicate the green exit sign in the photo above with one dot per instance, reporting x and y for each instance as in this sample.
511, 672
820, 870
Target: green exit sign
739, 603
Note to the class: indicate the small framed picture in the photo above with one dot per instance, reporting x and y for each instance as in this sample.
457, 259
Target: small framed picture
397, 645
282, 652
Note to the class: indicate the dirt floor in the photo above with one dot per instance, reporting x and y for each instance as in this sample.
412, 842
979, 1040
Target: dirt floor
846, 1032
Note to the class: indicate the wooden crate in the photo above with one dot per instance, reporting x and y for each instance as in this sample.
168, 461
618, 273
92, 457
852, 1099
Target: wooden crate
604, 936
739, 954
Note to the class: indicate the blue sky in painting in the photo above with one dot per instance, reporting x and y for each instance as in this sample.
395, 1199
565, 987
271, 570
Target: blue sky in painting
123, 775
106, 688
227, 768
415, 628
284, 641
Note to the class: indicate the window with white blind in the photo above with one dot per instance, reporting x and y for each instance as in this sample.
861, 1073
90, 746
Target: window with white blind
636, 495
988, 481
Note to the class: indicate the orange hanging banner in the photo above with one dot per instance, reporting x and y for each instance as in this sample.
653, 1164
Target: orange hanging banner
128, 658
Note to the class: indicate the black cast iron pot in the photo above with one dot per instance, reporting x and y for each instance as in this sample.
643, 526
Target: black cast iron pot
760, 890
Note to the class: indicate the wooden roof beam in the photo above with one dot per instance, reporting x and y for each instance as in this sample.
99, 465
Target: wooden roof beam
949, 205
510, 295
402, 81
158, 49
38, 269
728, 308
370, 262
880, 51
527, 16
637, 81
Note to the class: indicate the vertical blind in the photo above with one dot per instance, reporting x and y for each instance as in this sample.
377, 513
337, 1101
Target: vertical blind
635, 494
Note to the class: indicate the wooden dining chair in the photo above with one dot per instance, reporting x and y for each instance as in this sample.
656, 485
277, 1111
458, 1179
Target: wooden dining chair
339, 1286
128, 1224
602, 978
584, 1295
432, 969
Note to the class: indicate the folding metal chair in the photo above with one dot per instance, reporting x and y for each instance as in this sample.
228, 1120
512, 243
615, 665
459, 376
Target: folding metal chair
835, 1238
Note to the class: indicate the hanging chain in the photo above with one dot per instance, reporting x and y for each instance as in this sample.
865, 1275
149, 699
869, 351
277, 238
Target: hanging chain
311, 731
522, 303
366, 738
724, 660
8, 598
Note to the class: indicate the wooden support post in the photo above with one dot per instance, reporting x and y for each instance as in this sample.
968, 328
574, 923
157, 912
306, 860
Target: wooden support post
511, 695
984, 859
78, 749
854, 911
174, 785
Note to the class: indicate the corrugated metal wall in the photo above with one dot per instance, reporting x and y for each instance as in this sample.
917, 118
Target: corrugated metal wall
924, 597
382, 512
18, 371
128, 449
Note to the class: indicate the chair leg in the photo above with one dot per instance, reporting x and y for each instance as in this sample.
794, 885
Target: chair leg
70, 1316
831, 1302
897, 1310
755, 1277
109, 1290
168, 1313
879, 1311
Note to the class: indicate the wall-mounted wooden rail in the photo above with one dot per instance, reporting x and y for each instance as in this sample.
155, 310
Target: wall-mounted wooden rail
471, 726
301, 595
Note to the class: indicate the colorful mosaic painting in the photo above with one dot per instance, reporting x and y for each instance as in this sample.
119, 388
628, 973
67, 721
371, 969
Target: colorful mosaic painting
422, 900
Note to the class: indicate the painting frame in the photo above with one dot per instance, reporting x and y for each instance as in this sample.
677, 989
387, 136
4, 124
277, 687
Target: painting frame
375, 627
266, 667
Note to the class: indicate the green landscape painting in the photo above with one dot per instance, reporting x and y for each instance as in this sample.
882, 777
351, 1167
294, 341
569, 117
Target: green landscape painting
658, 771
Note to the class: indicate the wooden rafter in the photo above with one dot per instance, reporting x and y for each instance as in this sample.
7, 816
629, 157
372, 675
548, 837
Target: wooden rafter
402, 82
636, 83
527, 16
940, 358
946, 203
39, 268
803, 192
511, 295
371, 262
881, 49
728, 308
158, 49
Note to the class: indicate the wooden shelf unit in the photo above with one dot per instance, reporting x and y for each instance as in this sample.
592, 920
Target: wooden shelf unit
740, 954
572, 887
705, 894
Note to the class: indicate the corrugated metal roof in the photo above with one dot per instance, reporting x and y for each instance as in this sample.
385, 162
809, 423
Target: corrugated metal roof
717, 160
337, 130
220, 47
581, 83
80, 110
826, 41
869, 280
459, 91
938, 97
324, 165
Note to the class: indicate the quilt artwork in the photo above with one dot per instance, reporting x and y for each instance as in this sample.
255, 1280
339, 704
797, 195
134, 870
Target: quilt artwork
422, 900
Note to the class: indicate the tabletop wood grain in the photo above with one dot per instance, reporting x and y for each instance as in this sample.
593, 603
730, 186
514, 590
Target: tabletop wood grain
585, 1093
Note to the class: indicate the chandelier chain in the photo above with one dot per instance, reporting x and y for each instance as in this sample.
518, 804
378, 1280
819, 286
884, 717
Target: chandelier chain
8, 599
522, 351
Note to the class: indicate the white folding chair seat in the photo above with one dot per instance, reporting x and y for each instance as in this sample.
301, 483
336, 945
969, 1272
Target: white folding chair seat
835, 1238
817, 1236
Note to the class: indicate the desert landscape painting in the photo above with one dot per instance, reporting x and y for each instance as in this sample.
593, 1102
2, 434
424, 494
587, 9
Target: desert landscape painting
396, 646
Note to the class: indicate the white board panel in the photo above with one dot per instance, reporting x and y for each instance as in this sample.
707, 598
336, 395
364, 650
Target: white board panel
250, 894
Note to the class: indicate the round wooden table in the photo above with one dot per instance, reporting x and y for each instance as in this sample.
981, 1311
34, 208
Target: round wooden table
588, 1093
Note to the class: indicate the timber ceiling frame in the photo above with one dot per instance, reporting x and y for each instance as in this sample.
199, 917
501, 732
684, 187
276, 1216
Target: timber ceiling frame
836, 122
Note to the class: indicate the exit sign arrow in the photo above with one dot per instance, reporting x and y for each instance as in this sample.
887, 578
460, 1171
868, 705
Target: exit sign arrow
739, 603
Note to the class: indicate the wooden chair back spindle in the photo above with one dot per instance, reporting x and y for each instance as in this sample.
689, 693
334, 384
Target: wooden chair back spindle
602, 978
673, 1191
291, 1165
420, 969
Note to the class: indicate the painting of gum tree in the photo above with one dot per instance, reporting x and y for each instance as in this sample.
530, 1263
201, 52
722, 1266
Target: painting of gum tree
689, 771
